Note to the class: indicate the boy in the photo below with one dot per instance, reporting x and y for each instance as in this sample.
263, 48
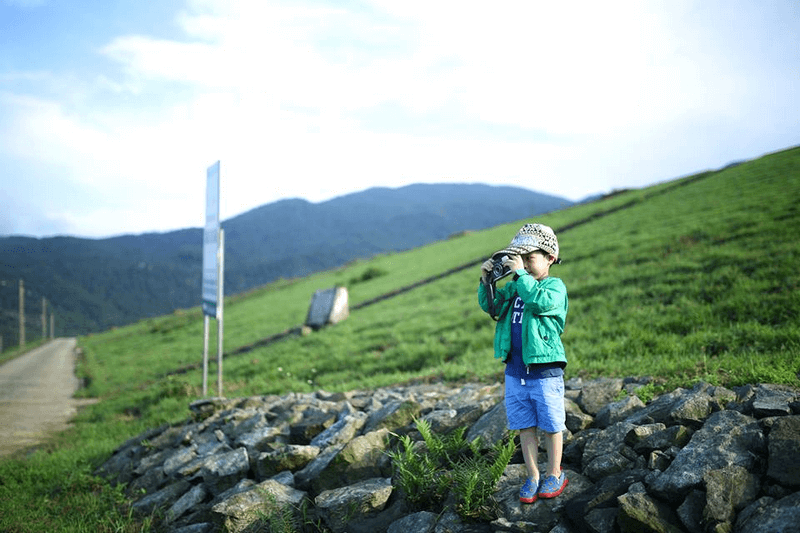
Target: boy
533, 310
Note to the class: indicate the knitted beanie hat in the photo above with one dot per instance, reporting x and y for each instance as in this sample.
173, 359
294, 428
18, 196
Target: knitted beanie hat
532, 237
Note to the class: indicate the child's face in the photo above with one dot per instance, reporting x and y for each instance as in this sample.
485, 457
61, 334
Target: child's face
538, 263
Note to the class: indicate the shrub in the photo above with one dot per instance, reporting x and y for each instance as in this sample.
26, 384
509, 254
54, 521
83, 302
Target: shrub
426, 471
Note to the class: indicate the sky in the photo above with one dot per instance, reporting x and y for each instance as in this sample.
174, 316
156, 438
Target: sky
111, 111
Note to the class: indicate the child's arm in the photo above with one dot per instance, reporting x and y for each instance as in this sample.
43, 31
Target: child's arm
546, 297
501, 295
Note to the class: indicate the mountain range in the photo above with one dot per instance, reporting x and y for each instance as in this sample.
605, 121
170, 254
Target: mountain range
93, 284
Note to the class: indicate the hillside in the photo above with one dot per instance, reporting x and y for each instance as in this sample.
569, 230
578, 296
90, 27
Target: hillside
686, 279
93, 284
694, 281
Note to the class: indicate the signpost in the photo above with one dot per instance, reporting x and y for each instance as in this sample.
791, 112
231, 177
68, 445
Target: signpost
213, 273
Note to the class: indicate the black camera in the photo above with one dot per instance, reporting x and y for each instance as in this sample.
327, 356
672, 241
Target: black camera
499, 270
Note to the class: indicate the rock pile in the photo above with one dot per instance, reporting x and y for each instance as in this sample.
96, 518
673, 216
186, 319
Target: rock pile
703, 460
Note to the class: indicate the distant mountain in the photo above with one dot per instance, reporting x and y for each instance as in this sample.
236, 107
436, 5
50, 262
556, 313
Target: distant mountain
94, 284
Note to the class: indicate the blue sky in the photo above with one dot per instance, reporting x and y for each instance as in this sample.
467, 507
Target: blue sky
111, 111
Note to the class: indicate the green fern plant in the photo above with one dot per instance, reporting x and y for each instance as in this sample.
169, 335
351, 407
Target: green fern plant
476, 477
450, 463
423, 481
449, 449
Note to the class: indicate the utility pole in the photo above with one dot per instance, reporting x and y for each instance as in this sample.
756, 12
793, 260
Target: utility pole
44, 319
52, 326
21, 313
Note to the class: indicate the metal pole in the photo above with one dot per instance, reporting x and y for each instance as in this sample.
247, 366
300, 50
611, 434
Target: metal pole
44, 319
21, 313
205, 355
220, 306
52, 326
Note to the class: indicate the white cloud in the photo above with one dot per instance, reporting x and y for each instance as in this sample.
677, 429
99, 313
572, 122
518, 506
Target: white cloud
315, 100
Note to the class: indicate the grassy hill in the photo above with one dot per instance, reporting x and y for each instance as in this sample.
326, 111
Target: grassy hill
692, 279
695, 279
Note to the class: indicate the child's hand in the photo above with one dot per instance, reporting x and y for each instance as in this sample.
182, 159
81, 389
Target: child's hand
514, 262
486, 268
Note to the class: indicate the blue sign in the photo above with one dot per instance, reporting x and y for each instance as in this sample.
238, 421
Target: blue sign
211, 243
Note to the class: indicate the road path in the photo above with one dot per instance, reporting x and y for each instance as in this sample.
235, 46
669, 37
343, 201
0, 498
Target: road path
36, 395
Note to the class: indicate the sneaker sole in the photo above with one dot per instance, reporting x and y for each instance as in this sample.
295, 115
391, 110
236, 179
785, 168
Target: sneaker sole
528, 500
556, 493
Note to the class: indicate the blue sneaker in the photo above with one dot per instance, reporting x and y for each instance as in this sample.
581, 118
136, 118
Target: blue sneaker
527, 494
552, 486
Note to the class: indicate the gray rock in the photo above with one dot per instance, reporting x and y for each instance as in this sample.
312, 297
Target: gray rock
343, 430
502, 525
691, 511
544, 513
602, 520
767, 515
258, 440
664, 439
641, 432
491, 427
148, 483
728, 490
617, 411
421, 522
313, 423
304, 477
693, 409
443, 421
771, 401
784, 451
728, 438
380, 521
243, 486
607, 441
659, 409
290, 457
700, 460
596, 394
202, 527
363, 457
393, 416
603, 494
338, 507
577, 420
606, 465
189, 500
658, 460
220, 472
639, 512
162, 498
178, 459
267, 499
450, 522
284, 478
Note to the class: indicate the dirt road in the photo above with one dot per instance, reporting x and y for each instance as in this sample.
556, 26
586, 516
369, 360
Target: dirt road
36, 395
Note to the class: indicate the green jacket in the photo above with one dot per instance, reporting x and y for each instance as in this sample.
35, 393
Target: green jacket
543, 322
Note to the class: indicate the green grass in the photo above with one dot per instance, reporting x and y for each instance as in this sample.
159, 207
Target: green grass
695, 279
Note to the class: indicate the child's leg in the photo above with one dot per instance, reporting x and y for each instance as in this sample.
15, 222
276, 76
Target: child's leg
530, 450
555, 480
554, 444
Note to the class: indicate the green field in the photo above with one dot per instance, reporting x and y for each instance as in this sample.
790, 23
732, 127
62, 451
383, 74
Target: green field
694, 279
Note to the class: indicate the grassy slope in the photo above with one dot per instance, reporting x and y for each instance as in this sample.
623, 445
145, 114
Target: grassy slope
695, 279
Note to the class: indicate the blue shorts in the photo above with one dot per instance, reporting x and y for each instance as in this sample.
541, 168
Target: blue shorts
536, 403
